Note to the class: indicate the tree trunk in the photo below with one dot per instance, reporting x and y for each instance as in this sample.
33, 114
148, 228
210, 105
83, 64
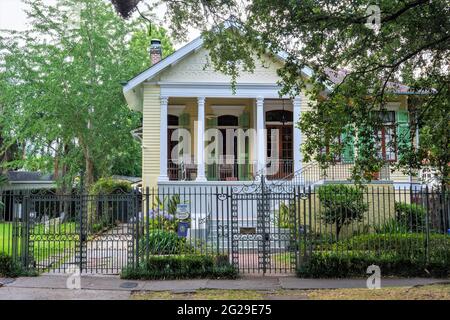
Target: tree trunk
89, 173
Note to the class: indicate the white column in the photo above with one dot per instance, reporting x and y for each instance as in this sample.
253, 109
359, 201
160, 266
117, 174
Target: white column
163, 154
297, 134
201, 140
260, 132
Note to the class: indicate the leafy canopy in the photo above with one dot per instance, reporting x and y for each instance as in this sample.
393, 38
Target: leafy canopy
61, 89
411, 46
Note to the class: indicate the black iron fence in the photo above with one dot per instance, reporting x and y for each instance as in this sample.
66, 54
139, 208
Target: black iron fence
259, 228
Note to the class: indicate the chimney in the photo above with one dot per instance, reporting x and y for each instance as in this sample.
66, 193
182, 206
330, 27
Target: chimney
155, 51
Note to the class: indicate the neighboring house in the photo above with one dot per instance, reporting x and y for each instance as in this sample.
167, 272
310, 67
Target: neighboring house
180, 91
135, 182
26, 180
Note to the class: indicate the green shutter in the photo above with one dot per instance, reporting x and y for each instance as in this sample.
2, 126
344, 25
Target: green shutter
211, 122
244, 120
184, 120
243, 168
348, 154
403, 132
211, 169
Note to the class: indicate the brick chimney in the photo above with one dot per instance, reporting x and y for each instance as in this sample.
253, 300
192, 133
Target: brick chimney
155, 51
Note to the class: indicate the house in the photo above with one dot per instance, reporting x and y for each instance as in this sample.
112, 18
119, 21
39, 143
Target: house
246, 132
28, 180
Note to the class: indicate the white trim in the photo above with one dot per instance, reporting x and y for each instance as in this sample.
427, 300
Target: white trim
222, 110
260, 134
221, 90
201, 168
163, 64
297, 141
163, 153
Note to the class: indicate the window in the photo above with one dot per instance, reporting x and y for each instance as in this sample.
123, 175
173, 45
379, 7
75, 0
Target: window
279, 116
231, 121
172, 120
386, 137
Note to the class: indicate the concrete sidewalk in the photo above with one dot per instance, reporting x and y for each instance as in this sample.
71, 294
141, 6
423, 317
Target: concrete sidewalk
113, 288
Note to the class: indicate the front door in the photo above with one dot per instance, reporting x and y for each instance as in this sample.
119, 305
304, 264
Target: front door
280, 151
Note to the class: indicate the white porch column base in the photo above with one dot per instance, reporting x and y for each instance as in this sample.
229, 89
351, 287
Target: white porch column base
201, 176
261, 148
297, 134
163, 153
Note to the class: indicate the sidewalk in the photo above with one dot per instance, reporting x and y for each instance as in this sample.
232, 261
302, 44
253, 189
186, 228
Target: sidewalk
114, 288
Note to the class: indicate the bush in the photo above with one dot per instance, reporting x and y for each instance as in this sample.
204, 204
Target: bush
9, 268
106, 186
354, 264
342, 204
408, 245
182, 267
162, 242
412, 216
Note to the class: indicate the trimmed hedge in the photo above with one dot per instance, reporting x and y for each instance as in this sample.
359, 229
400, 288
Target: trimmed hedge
182, 267
402, 244
354, 264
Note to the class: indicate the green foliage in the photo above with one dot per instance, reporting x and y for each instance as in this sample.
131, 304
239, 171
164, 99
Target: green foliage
62, 93
331, 264
332, 39
342, 204
163, 214
10, 268
408, 245
285, 217
160, 242
412, 216
391, 226
105, 186
182, 267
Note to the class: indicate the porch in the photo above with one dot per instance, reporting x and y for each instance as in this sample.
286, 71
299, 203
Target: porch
239, 138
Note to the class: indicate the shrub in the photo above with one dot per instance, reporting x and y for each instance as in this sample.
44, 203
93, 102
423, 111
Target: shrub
10, 268
342, 204
106, 186
163, 216
412, 216
160, 242
329, 264
284, 218
182, 267
410, 245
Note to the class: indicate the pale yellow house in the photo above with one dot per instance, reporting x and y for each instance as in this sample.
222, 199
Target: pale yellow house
182, 92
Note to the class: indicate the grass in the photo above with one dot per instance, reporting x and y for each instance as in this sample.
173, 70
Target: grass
48, 242
429, 292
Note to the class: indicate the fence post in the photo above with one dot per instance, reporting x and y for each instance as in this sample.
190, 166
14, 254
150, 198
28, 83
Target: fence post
147, 222
134, 198
427, 227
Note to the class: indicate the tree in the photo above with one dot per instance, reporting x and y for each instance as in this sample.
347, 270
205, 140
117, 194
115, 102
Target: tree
342, 204
62, 92
357, 63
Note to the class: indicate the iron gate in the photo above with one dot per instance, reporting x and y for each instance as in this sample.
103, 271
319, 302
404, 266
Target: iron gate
264, 230
93, 234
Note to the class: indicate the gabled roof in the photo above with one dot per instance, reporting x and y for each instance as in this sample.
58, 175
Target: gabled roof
178, 55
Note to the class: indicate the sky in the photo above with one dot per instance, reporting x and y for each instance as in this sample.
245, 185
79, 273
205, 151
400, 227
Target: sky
12, 16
